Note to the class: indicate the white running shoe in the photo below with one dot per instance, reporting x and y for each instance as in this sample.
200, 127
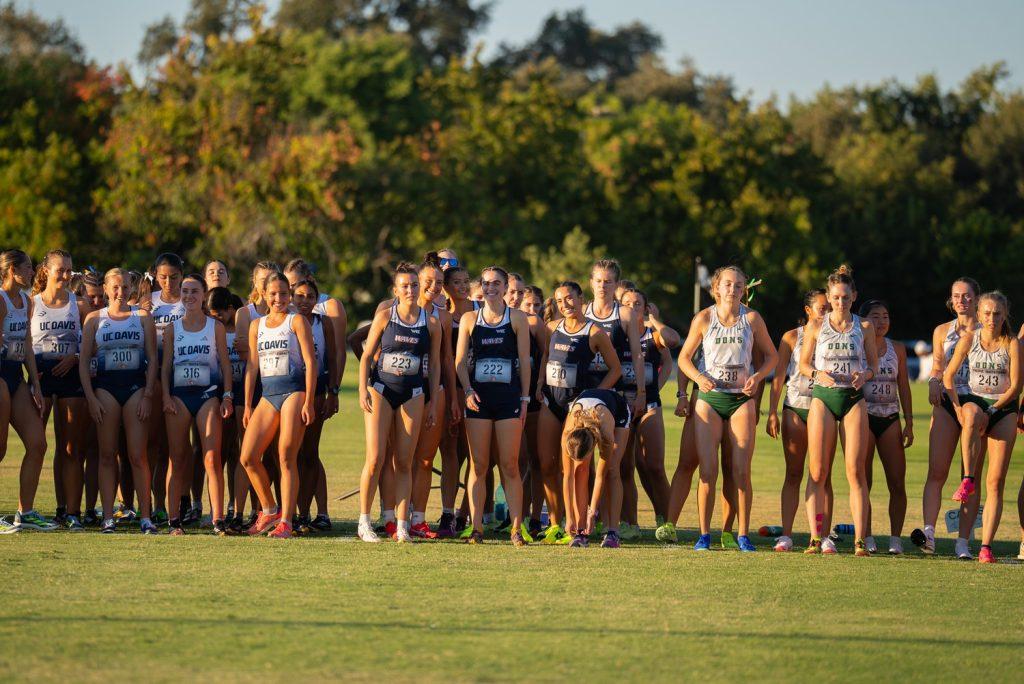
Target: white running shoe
1020, 553
784, 543
870, 545
402, 535
7, 527
896, 546
828, 546
367, 534
929, 542
963, 549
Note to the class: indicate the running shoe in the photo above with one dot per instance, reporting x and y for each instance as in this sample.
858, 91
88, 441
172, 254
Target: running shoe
895, 546
159, 516
282, 531
365, 533
783, 544
264, 523
703, 543
745, 545
666, 533
147, 527
234, 526
402, 535
176, 531
460, 524
91, 518
924, 541
517, 538
566, 539
870, 545
7, 527
300, 526
30, 520
535, 528
109, 526
391, 528
985, 555
580, 541
964, 491
962, 549
467, 531
860, 548
813, 548
192, 516
73, 524
321, 523
219, 528
828, 547
422, 531
475, 537
553, 534
629, 532
250, 521
525, 532
1020, 552
505, 524
446, 526
611, 540
729, 541
598, 528
659, 520
59, 514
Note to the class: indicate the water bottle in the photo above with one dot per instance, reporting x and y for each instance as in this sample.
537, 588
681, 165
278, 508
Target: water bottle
544, 515
500, 505
845, 528
770, 531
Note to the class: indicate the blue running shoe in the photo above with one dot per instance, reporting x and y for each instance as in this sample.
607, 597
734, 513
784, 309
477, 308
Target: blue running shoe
703, 543
745, 544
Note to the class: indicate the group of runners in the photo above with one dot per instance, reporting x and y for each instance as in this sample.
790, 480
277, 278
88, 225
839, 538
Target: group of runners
161, 384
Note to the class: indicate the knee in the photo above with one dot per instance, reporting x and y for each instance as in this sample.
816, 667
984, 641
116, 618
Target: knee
403, 464
108, 459
708, 472
741, 475
613, 477
511, 471
548, 467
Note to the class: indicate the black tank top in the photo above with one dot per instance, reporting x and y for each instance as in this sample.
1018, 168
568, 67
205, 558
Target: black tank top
569, 356
403, 350
652, 366
494, 354
620, 341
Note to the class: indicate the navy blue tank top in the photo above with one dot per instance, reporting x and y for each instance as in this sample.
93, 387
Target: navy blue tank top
620, 341
494, 354
569, 357
403, 349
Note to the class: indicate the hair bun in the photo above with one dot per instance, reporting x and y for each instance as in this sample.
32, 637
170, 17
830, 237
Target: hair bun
844, 269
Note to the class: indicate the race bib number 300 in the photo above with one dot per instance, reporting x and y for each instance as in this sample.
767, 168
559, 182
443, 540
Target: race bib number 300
128, 358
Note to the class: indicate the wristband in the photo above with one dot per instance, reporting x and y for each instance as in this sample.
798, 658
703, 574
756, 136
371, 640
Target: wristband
526, 399
228, 395
680, 395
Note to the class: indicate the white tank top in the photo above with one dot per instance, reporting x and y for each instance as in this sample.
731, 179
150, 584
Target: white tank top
163, 315
319, 343
798, 387
120, 345
253, 312
15, 328
321, 305
960, 380
55, 332
840, 354
196, 365
237, 365
881, 392
989, 374
728, 352
278, 350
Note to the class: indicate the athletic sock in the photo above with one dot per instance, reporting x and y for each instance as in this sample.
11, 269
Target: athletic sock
418, 517
389, 515
403, 525
364, 519
270, 511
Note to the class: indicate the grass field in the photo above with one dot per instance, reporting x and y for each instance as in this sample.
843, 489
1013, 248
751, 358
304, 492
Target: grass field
90, 607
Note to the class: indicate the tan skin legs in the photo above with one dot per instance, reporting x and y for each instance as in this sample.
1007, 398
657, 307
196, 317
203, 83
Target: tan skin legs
549, 449
136, 436
263, 426
508, 434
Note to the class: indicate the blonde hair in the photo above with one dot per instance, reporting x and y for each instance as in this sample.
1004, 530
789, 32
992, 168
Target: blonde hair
842, 276
585, 434
256, 294
127, 279
717, 275
9, 259
39, 284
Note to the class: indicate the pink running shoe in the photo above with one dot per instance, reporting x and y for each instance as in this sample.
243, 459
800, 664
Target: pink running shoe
986, 555
264, 523
964, 491
282, 531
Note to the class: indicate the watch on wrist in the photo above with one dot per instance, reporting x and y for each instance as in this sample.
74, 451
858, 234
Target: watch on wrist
228, 395
526, 399
680, 394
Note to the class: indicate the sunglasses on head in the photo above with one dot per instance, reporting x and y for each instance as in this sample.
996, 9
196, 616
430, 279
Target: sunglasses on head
448, 263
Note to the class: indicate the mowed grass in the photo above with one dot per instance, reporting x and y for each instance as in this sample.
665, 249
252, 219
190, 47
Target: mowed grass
87, 607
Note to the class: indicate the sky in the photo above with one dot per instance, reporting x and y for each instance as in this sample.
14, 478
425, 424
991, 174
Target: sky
770, 49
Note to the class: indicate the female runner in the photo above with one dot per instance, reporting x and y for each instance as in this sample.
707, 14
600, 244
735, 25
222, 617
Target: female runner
794, 416
286, 363
197, 392
220, 304
598, 417
529, 461
944, 430
392, 396
21, 403
839, 355
988, 410
573, 342
123, 340
649, 438
495, 341
216, 274
728, 334
885, 395
56, 315
305, 296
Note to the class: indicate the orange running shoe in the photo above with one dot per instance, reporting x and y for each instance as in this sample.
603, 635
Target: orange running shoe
391, 529
264, 523
282, 531
422, 530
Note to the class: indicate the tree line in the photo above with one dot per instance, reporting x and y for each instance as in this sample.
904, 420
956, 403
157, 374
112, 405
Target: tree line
357, 133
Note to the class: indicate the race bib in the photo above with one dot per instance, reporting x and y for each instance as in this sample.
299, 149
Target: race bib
399, 364
883, 392
274, 363
237, 371
731, 377
93, 363
629, 373
124, 359
493, 370
598, 364
56, 349
561, 374
191, 375
15, 350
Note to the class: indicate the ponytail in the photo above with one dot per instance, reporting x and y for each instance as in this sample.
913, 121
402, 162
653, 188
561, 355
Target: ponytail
42, 272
